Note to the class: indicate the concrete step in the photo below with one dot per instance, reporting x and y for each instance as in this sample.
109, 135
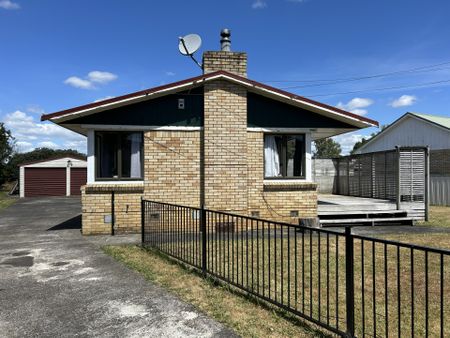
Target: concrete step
367, 221
339, 208
362, 214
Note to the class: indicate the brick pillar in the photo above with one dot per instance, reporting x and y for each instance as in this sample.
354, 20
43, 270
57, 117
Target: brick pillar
225, 135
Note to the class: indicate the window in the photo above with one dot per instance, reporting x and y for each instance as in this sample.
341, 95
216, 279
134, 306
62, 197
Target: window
284, 156
118, 155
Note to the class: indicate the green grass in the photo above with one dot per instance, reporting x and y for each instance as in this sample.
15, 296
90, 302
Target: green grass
439, 217
5, 200
303, 290
244, 315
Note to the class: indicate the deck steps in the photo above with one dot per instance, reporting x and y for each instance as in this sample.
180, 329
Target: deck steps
364, 217
367, 221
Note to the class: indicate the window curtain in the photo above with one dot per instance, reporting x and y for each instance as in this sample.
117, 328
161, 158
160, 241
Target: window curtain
135, 170
271, 157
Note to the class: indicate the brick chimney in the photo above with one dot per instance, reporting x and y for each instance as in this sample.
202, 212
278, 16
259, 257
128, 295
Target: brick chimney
225, 59
225, 132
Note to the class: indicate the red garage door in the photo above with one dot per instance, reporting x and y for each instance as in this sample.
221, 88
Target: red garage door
78, 177
45, 182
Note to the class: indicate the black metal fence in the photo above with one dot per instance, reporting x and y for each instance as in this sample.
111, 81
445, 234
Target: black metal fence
349, 284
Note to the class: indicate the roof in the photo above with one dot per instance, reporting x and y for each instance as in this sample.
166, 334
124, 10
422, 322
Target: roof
68, 114
81, 158
443, 121
436, 120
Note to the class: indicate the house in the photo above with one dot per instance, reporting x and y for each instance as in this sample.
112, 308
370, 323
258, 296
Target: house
414, 129
219, 139
60, 176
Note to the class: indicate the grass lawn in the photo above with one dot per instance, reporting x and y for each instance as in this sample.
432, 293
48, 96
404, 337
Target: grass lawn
5, 200
243, 315
439, 217
302, 290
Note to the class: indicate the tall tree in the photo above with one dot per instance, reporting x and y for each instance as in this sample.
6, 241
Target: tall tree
6, 149
327, 148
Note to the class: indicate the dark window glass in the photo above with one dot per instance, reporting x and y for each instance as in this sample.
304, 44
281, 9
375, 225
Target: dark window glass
284, 156
118, 155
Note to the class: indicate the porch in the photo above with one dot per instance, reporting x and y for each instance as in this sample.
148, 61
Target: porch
375, 188
337, 210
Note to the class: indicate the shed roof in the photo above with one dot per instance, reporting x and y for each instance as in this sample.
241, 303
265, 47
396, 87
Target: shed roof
443, 121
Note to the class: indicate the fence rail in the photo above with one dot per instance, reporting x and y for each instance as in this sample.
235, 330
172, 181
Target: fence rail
348, 284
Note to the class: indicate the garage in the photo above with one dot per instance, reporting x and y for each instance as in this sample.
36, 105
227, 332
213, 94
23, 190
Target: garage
54, 177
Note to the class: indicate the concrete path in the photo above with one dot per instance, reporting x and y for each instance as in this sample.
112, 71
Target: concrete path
55, 283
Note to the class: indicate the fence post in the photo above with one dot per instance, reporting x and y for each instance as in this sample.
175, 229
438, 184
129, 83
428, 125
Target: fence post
398, 195
113, 216
203, 230
427, 182
142, 221
349, 282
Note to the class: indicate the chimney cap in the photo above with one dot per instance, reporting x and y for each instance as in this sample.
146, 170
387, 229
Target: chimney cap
225, 42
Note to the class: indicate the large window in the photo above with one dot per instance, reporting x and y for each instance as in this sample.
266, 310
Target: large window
284, 156
118, 155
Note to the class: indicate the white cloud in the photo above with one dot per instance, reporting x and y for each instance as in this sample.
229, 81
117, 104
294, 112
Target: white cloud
356, 105
8, 4
259, 4
76, 82
347, 141
47, 144
35, 109
24, 147
170, 73
298, 1
404, 101
94, 77
101, 77
30, 134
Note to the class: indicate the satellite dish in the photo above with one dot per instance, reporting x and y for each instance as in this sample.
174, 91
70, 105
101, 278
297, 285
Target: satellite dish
189, 44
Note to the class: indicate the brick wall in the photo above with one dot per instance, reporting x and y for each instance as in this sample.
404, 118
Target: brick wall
96, 204
275, 200
172, 167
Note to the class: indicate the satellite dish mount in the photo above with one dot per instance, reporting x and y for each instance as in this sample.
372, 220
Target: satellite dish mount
188, 45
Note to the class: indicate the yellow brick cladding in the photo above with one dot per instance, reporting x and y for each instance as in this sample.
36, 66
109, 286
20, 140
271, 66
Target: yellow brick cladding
172, 167
96, 204
233, 62
275, 200
225, 146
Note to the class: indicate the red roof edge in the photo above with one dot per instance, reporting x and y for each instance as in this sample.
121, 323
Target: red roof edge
148, 91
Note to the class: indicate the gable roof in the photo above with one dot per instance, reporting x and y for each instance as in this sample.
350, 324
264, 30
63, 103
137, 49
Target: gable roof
443, 121
54, 158
435, 120
254, 86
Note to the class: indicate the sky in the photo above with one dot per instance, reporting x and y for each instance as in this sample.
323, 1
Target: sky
379, 59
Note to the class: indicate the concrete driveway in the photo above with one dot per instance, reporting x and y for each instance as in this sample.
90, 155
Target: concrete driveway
54, 282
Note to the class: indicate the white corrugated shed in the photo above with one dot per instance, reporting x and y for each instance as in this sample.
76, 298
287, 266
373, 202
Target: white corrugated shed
412, 130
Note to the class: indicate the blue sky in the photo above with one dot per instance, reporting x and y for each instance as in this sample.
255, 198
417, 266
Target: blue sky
59, 54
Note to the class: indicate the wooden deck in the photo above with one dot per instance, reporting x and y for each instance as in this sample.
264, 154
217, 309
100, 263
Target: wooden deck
342, 205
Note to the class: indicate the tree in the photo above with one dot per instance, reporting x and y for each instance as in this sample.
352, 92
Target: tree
11, 171
327, 148
363, 141
6, 150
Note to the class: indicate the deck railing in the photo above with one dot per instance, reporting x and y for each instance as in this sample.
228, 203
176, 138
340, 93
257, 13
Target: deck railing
348, 284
